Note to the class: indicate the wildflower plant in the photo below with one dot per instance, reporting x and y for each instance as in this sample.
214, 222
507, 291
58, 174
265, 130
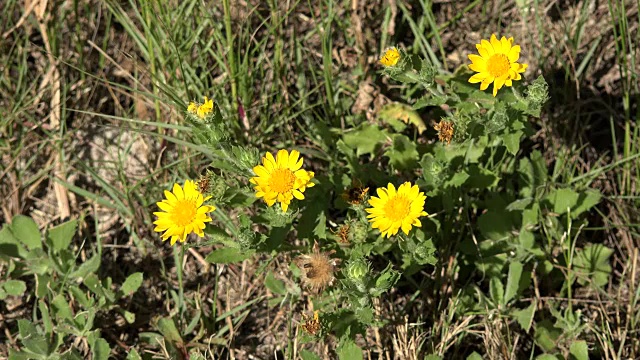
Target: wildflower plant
394, 197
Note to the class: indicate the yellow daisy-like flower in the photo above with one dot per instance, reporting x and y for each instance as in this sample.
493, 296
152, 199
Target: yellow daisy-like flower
281, 178
182, 213
205, 109
497, 63
192, 108
394, 210
390, 57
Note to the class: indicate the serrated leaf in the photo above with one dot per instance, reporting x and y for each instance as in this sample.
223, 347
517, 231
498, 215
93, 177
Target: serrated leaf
131, 284
60, 236
14, 287
348, 350
26, 231
275, 285
227, 256
320, 230
579, 350
365, 139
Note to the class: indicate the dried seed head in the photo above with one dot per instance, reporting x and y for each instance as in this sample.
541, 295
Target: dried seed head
311, 326
317, 268
343, 233
445, 131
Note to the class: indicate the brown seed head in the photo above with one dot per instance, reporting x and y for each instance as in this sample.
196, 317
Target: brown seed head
445, 131
343, 233
317, 268
311, 326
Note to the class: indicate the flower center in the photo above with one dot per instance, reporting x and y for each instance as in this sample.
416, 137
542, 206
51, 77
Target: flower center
184, 212
498, 65
397, 208
282, 180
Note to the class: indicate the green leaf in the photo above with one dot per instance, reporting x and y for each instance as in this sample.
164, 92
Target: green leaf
88, 267
32, 339
496, 291
495, 225
474, 356
579, 350
547, 357
402, 153
365, 139
563, 200
60, 236
100, 349
586, 201
14, 287
429, 100
512, 141
129, 316
513, 281
385, 281
524, 317
433, 357
133, 355
227, 256
60, 308
546, 335
131, 284
275, 285
169, 330
394, 112
348, 350
458, 179
308, 355
26, 230
592, 263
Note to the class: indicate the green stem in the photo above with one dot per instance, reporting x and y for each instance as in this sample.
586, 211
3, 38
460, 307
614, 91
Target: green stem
178, 259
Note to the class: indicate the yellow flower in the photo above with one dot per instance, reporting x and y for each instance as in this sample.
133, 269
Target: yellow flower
393, 210
206, 108
192, 108
182, 213
497, 63
390, 57
281, 178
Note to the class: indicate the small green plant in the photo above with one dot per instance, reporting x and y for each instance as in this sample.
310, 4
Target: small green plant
51, 262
